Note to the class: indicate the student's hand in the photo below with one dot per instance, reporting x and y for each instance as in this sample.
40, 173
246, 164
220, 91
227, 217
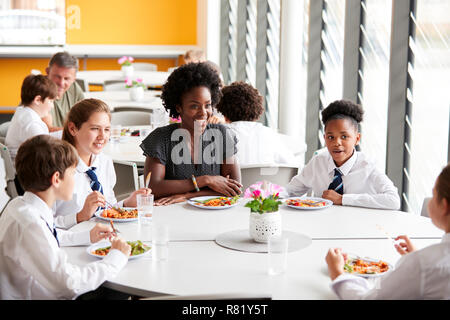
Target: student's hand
215, 120
121, 245
171, 199
404, 247
92, 202
335, 259
101, 231
131, 201
224, 185
333, 196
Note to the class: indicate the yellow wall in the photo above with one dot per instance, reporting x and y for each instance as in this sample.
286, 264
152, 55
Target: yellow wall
132, 22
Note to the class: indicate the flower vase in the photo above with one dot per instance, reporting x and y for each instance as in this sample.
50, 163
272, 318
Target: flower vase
127, 71
263, 226
137, 93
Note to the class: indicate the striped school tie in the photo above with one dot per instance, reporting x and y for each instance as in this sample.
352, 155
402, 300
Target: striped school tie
95, 184
55, 234
337, 184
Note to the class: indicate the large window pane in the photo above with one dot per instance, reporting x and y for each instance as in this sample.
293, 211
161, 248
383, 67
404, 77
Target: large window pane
375, 78
32, 22
430, 98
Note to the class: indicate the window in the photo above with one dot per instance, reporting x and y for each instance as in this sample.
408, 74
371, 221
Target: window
34, 22
374, 73
429, 96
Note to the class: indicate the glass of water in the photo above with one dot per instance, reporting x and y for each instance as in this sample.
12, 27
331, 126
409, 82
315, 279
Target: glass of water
145, 212
277, 248
116, 131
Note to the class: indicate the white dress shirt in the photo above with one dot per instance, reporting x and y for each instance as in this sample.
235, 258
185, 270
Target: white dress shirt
422, 274
258, 144
66, 211
364, 184
32, 266
25, 124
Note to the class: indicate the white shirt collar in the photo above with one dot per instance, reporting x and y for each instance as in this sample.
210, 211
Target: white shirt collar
45, 211
346, 167
83, 167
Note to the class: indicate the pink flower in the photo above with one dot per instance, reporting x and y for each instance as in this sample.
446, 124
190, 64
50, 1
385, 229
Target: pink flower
122, 60
131, 59
256, 193
139, 80
128, 82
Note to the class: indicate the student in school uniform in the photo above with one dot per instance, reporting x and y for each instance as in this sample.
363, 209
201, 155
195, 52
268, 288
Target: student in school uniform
419, 274
340, 173
87, 128
37, 95
32, 265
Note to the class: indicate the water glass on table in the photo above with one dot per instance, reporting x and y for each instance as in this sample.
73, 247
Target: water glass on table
277, 252
160, 241
145, 212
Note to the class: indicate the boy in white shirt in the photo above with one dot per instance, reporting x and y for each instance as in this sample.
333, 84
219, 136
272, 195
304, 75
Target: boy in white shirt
37, 95
341, 174
32, 265
419, 274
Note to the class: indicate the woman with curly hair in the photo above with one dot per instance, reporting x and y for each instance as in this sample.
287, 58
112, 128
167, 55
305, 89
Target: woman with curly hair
340, 173
194, 157
242, 106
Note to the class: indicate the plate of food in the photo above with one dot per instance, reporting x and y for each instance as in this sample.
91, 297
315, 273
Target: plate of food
213, 202
118, 214
366, 267
101, 249
308, 203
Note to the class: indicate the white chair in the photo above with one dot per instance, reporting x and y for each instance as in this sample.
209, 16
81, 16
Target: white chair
10, 172
126, 179
130, 116
170, 70
145, 66
278, 174
424, 211
114, 85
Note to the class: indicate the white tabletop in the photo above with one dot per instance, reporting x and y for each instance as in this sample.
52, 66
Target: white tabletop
127, 149
203, 267
116, 99
98, 77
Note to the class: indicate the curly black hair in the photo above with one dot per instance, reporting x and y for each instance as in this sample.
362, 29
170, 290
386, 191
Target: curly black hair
187, 77
241, 102
343, 109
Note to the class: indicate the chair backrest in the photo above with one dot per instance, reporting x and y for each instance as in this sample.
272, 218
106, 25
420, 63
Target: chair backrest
145, 66
10, 172
424, 211
114, 85
130, 117
84, 85
126, 179
280, 175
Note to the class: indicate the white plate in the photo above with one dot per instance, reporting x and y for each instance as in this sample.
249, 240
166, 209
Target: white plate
328, 204
195, 204
370, 275
99, 212
104, 244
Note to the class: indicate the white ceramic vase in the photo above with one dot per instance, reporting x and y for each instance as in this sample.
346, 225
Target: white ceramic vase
127, 71
137, 93
263, 226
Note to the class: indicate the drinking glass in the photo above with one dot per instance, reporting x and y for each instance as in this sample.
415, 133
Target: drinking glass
277, 248
116, 131
160, 241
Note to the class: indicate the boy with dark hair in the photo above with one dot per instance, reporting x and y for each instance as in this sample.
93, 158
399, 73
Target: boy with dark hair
32, 265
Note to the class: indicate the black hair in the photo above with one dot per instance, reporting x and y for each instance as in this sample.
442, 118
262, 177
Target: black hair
187, 77
343, 109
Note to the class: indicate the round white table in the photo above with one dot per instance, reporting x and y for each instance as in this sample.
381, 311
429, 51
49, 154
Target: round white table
198, 266
115, 99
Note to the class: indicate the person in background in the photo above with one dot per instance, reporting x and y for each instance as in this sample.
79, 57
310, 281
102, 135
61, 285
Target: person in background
32, 264
419, 274
87, 128
242, 106
340, 173
37, 96
194, 157
62, 70
194, 56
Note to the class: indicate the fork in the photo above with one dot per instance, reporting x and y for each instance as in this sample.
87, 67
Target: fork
114, 229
